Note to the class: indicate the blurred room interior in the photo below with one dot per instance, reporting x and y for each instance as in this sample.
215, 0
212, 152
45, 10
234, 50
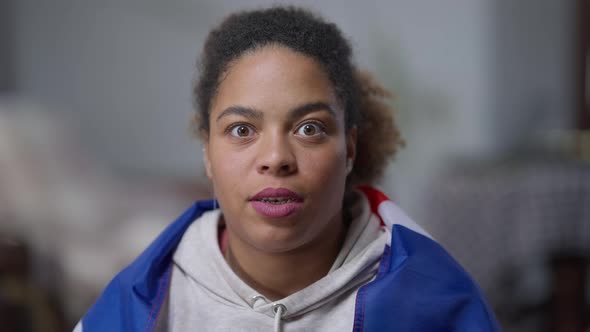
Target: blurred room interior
493, 100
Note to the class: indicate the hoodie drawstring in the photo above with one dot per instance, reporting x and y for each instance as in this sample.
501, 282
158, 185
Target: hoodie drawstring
279, 311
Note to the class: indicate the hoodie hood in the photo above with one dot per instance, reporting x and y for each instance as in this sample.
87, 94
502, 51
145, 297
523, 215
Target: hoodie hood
199, 263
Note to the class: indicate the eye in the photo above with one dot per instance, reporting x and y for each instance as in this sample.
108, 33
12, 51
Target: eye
309, 129
241, 131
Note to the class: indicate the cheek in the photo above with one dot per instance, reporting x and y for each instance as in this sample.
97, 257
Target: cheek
325, 168
227, 167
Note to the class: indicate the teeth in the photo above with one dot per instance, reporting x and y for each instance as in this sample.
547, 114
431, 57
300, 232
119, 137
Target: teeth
276, 200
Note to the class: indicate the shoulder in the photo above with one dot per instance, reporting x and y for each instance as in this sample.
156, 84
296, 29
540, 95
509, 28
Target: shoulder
425, 289
419, 286
132, 300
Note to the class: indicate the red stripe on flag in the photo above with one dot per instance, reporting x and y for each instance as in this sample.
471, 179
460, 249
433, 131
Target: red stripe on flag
375, 199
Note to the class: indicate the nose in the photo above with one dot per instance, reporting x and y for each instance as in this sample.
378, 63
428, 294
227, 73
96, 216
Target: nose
275, 156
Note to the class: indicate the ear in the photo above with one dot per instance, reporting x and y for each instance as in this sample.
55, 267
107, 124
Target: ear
351, 143
206, 161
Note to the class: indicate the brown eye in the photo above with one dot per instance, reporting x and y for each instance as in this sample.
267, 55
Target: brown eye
242, 131
309, 129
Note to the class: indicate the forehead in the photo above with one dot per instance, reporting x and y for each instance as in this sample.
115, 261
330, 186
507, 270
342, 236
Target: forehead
273, 78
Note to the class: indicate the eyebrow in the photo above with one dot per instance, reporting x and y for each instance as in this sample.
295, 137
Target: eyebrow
246, 112
303, 110
296, 113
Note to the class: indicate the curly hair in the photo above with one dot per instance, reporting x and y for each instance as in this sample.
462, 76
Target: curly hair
304, 32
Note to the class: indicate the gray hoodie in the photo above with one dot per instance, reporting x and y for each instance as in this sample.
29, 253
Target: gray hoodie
206, 295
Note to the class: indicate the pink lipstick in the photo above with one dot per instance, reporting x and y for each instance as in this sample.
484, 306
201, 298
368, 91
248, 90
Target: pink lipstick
276, 202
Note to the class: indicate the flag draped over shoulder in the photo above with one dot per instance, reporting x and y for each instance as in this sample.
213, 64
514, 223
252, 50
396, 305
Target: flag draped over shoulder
419, 286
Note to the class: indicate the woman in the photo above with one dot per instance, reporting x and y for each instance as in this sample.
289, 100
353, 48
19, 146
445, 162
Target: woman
290, 131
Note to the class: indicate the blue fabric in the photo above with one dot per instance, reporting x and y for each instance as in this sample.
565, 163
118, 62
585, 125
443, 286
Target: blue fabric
419, 287
131, 301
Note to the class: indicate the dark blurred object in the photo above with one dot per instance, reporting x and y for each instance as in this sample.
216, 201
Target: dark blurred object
14, 266
568, 310
14, 258
23, 307
563, 308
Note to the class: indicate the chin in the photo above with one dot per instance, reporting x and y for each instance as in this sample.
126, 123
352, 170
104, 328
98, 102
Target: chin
280, 241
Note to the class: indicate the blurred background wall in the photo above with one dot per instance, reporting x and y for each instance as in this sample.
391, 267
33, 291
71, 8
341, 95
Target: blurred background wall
477, 82
469, 75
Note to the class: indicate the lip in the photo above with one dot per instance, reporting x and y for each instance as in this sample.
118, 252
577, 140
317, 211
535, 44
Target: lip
276, 192
271, 210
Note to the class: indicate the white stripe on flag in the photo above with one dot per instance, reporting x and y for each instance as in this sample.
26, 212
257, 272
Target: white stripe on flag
78, 327
391, 214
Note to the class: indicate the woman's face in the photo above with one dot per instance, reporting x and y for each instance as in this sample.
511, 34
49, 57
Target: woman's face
277, 150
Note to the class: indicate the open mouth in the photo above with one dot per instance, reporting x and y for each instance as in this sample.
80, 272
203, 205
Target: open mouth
277, 200
277, 196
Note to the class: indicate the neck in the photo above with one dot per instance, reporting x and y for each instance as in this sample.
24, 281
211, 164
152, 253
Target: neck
278, 275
